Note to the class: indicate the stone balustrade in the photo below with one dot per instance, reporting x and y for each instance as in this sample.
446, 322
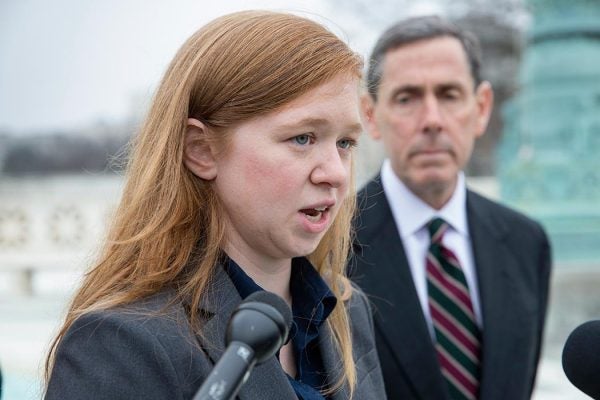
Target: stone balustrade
57, 224
54, 223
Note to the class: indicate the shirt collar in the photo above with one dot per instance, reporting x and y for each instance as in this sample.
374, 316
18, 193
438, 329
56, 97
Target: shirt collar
411, 213
312, 300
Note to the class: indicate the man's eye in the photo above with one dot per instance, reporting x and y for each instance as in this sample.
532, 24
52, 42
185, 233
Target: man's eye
302, 139
403, 99
451, 95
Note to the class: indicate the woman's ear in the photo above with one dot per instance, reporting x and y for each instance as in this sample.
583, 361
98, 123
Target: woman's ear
198, 154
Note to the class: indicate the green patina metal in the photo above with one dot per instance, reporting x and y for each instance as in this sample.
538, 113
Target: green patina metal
549, 158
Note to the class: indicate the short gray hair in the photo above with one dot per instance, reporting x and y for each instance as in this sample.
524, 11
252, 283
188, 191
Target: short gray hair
415, 29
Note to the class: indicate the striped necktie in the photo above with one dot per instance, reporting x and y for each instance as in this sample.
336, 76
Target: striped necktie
457, 334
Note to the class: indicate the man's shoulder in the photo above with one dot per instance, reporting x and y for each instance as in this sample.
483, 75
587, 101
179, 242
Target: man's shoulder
499, 213
369, 192
372, 209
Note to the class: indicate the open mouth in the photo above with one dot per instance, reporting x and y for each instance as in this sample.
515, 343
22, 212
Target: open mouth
314, 214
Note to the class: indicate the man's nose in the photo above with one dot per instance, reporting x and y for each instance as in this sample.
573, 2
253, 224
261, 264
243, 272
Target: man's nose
432, 115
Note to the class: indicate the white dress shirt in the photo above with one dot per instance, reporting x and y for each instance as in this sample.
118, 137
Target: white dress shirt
411, 215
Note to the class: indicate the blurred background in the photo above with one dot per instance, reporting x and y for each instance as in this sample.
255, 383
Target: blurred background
76, 78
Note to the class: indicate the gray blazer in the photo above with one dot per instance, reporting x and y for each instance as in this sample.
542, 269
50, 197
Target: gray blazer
512, 258
147, 351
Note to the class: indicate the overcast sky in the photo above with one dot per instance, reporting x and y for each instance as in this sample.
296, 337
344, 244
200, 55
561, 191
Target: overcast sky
68, 63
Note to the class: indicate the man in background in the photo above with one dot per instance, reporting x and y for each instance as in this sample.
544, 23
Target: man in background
459, 283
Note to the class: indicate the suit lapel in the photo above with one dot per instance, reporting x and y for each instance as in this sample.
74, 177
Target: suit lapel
498, 281
266, 381
404, 328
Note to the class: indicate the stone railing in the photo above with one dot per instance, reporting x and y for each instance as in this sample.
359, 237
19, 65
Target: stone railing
54, 223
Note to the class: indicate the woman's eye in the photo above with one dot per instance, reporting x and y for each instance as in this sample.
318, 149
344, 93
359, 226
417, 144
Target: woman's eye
302, 139
346, 143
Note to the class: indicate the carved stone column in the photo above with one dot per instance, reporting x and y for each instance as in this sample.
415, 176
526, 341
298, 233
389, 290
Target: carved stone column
549, 159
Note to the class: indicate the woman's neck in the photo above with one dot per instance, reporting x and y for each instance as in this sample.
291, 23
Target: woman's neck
271, 275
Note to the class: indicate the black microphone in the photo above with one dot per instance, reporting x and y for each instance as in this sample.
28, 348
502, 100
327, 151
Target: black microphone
581, 358
256, 331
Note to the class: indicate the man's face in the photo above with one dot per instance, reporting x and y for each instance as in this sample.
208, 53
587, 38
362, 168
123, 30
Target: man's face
428, 115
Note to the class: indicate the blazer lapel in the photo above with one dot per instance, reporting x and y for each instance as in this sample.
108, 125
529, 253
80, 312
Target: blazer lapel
332, 362
498, 278
404, 328
267, 380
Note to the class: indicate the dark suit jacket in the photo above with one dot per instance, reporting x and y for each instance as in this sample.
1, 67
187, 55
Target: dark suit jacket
148, 351
512, 260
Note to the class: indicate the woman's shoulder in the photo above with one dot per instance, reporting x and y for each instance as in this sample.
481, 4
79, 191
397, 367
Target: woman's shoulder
145, 348
155, 314
156, 323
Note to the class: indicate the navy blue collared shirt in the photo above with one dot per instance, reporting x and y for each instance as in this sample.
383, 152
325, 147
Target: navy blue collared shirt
312, 302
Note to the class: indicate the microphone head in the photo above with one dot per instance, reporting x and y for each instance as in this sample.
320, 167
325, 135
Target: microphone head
581, 358
262, 321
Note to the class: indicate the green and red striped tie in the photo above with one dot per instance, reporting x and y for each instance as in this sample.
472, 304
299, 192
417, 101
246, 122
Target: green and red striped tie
457, 333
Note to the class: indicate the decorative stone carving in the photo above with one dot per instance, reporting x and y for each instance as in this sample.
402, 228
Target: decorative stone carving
14, 228
66, 226
548, 161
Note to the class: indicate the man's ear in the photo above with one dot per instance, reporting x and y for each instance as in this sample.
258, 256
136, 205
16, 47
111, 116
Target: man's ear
198, 154
367, 107
485, 102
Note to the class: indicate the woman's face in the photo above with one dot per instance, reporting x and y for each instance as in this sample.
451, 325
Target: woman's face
285, 175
